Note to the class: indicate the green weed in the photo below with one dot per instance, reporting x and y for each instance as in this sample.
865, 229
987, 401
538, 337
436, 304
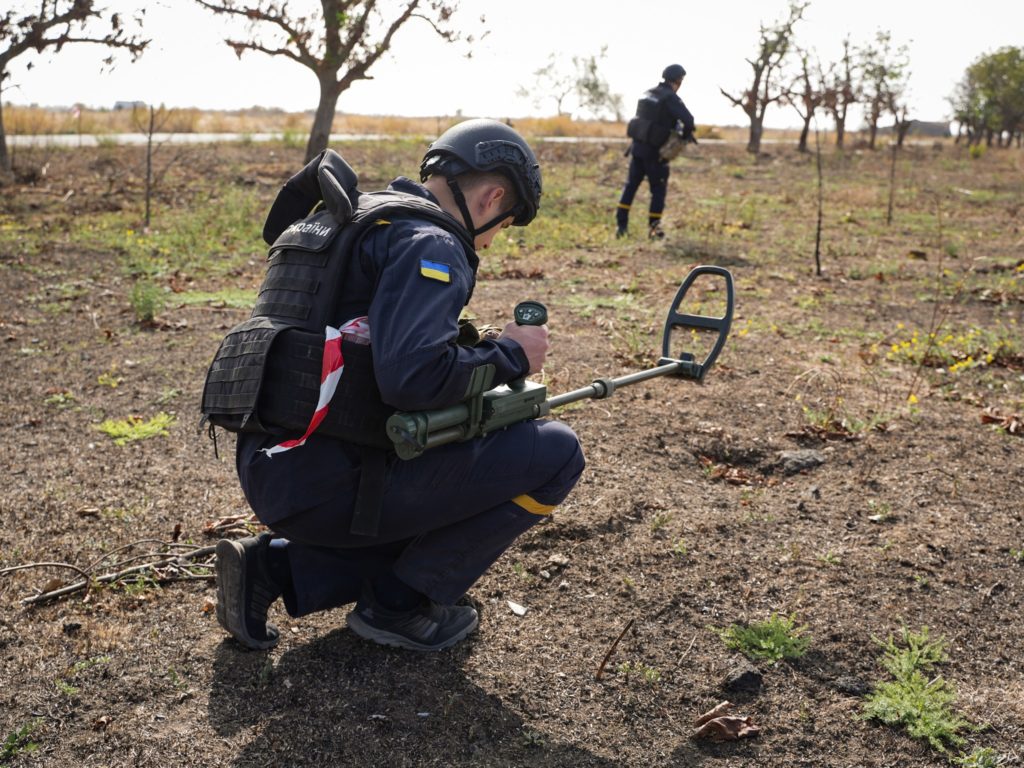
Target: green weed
641, 671
66, 688
880, 511
777, 638
18, 742
532, 739
109, 379
982, 757
660, 521
520, 570
135, 428
168, 395
830, 558
999, 345
915, 699
61, 400
236, 298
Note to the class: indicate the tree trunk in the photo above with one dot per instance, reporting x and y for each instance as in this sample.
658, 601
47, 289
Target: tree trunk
756, 129
902, 129
5, 159
872, 132
840, 131
324, 118
802, 145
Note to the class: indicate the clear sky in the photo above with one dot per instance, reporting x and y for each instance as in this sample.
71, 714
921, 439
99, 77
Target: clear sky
188, 64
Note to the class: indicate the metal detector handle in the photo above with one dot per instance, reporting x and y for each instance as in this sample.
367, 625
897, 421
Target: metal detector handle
528, 313
680, 320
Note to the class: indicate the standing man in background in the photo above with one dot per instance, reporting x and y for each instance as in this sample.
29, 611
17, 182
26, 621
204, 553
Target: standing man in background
659, 114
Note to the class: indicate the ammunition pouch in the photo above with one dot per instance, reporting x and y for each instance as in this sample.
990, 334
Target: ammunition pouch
265, 377
644, 130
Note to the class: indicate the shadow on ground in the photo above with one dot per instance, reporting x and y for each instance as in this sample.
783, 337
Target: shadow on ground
335, 701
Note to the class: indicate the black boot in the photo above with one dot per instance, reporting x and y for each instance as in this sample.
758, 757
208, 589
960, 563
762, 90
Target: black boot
429, 626
245, 591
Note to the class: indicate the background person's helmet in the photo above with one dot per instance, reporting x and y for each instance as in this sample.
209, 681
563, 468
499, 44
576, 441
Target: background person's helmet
488, 145
673, 73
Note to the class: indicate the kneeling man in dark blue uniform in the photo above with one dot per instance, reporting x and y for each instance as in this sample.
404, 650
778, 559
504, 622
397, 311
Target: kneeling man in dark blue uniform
437, 522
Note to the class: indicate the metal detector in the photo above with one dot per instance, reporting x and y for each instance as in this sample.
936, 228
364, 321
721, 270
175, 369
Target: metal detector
485, 409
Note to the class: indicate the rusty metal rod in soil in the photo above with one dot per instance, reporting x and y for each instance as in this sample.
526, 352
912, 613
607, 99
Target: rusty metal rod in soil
625, 629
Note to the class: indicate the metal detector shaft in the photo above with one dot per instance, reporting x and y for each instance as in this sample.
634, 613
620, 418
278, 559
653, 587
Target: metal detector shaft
605, 387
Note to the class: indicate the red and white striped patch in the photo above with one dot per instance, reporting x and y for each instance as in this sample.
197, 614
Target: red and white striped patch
330, 372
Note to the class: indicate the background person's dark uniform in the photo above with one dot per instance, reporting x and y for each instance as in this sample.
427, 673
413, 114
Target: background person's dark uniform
663, 107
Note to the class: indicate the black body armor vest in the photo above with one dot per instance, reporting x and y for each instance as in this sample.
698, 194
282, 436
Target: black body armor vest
653, 123
265, 376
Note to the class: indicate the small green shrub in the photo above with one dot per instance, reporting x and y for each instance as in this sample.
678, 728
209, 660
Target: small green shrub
916, 699
17, 742
777, 638
147, 299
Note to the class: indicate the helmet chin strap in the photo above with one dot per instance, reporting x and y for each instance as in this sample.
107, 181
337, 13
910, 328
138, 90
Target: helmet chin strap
460, 201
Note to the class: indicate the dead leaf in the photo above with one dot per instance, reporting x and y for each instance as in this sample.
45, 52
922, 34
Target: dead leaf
711, 714
101, 723
1011, 423
88, 512
517, 609
728, 728
209, 605
53, 584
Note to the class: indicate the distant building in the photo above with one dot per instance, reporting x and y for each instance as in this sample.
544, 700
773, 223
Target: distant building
934, 129
930, 129
122, 105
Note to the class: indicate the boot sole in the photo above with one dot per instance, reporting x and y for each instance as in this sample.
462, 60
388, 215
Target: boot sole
230, 596
383, 637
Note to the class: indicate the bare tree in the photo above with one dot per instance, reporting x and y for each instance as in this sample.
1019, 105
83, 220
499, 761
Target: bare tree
841, 90
581, 79
885, 73
37, 26
339, 43
551, 81
592, 89
805, 94
774, 47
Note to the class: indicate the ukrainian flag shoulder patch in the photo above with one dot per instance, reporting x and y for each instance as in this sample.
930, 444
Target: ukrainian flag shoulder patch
435, 270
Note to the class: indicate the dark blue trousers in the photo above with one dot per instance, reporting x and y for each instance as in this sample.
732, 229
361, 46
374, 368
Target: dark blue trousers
446, 516
656, 173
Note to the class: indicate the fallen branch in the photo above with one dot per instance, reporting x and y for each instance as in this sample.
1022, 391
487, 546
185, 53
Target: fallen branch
164, 567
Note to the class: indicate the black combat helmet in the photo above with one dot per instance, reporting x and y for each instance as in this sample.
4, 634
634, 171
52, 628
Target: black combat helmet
486, 145
673, 73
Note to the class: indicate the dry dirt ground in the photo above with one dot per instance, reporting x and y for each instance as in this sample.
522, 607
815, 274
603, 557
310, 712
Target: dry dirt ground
687, 520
